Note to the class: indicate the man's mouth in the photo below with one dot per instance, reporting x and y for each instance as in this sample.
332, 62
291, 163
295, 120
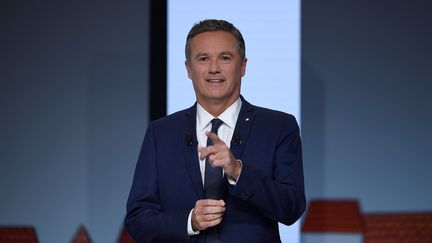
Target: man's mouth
215, 80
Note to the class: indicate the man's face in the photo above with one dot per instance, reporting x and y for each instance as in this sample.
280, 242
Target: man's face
215, 68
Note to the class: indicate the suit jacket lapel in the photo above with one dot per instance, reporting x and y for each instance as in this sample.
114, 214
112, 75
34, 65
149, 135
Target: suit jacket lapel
190, 151
243, 127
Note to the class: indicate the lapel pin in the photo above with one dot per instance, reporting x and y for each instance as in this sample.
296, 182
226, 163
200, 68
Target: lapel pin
247, 119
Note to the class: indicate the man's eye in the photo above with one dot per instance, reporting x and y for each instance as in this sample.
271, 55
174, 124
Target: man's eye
226, 58
202, 59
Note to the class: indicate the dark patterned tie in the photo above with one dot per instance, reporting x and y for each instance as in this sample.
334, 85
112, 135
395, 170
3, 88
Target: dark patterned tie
213, 180
213, 184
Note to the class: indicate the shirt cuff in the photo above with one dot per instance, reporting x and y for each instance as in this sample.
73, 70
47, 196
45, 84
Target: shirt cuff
233, 181
189, 225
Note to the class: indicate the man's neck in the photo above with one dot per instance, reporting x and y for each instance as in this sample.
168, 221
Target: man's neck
217, 108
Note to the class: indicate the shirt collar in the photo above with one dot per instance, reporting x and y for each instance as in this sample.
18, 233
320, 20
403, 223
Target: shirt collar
229, 116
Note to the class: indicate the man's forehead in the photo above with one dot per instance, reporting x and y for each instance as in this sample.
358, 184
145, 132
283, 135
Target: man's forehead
215, 40
214, 36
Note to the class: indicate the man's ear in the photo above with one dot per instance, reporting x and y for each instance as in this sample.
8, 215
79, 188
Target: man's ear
243, 66
188, 69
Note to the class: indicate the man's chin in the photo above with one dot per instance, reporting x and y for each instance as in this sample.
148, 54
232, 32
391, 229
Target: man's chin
218, 99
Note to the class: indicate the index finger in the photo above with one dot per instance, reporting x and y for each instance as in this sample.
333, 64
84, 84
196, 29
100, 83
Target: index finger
214, 137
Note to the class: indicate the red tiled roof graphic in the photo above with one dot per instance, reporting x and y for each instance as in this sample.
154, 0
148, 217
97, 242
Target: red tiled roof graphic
398, 228
125, 237
81, 236
18, 235
342, 216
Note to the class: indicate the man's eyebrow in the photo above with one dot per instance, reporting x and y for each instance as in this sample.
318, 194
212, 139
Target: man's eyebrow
227, 53
200, 54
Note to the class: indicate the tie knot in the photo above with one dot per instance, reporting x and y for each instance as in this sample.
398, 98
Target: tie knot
216, 123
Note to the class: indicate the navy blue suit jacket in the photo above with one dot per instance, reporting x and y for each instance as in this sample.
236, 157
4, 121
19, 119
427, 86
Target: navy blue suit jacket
167, 180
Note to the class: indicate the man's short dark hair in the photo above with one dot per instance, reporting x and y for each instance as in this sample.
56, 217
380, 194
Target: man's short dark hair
212, 25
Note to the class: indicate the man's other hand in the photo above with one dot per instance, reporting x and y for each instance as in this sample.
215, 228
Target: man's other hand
207, 213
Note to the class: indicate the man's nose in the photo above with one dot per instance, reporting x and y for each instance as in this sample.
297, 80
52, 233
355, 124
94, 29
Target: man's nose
214, 66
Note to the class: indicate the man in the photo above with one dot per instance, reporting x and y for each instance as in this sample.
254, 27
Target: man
233, 184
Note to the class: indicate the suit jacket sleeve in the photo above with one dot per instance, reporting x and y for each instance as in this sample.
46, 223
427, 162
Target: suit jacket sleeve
146, 221
280, 194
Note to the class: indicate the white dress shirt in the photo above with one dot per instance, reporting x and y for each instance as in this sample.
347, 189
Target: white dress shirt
225, 133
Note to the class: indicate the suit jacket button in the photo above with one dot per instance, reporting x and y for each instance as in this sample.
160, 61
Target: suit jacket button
245, 195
